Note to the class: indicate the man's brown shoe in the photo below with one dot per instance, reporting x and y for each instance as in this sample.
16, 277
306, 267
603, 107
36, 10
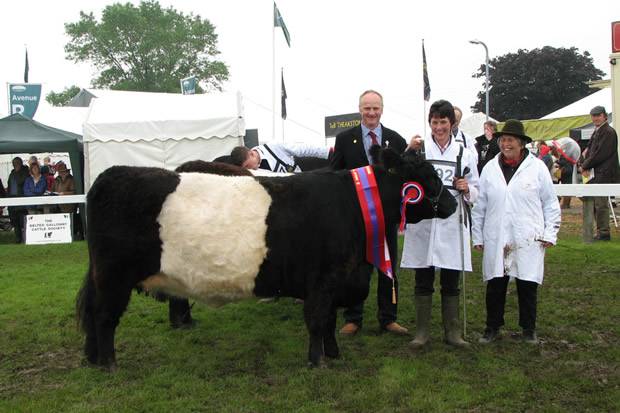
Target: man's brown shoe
396, 328
349, 329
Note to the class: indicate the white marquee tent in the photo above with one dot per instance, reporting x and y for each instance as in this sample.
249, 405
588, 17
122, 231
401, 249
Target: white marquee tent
159, 129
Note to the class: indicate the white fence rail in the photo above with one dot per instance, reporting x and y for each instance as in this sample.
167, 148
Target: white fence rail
586, 191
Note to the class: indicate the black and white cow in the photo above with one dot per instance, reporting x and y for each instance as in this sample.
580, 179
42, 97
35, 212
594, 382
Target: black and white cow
218, 238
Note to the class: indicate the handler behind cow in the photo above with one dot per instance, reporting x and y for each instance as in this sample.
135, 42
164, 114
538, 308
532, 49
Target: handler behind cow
352, 150
436, 243
275, 157
516, 217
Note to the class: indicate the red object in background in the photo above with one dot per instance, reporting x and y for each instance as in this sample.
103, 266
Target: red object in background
615, 37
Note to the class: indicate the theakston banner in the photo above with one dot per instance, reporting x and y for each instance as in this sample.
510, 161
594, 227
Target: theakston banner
24, 98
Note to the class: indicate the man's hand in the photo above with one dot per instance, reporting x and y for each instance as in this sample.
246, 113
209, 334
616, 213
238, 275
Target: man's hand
415, 143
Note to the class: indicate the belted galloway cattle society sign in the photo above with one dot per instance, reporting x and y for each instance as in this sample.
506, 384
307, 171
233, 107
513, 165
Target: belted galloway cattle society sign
336, 124
24, 98
48, 229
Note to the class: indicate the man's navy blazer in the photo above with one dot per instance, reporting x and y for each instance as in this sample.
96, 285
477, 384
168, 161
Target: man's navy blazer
349, 150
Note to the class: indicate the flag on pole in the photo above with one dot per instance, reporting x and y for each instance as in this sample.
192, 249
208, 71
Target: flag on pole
26, 68
278, 21
427, 85
283, 97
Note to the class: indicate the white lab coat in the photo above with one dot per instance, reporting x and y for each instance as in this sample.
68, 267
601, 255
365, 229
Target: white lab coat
284, 159
436, 242
511, 219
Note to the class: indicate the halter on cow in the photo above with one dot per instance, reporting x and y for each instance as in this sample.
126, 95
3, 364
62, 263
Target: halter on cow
303, 237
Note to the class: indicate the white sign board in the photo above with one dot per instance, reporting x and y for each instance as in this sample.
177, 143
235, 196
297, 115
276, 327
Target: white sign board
48, 229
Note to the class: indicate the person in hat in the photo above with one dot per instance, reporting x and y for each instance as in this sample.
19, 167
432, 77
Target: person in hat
601, 158
515, 219
435, 244
64, 185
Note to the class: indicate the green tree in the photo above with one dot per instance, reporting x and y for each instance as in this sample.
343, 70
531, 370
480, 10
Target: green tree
146, 48
62, 98
532, 84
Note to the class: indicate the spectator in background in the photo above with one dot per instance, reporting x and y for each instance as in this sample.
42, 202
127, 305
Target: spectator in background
49, 177
17, 177
486, 144
566, 151
460, 136
601, 159
35, 185
64, 185
48, 162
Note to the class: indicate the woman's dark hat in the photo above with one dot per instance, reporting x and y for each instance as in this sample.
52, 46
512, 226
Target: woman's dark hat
513, 127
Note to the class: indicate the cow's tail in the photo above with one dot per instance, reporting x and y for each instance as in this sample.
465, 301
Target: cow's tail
85, 300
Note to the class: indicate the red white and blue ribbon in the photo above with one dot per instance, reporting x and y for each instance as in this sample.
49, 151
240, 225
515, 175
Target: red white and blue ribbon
377, 252
411, 193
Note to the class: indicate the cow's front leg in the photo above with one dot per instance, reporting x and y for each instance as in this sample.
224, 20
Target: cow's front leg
330, 345
316, 314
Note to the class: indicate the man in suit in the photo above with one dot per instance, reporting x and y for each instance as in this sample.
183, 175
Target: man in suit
602, 157
352, 151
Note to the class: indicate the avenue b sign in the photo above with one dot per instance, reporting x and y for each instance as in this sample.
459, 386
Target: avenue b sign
24, 98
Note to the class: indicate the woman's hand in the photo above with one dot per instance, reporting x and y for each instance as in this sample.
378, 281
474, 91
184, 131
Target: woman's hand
461, 185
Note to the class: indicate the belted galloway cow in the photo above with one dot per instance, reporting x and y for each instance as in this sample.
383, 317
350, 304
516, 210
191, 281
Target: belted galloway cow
222, 238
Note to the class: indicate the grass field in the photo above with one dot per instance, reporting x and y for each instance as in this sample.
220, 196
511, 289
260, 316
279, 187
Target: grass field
251, 357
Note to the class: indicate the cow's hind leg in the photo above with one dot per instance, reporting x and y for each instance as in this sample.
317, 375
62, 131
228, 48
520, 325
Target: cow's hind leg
110, 303
85, 309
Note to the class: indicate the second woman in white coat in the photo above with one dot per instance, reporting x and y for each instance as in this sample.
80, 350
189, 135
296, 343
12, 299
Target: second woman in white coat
516, 217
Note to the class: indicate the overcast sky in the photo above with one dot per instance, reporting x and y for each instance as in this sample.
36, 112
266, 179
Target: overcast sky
338, 49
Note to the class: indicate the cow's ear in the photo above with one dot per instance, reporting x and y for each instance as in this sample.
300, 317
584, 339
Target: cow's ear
391, 160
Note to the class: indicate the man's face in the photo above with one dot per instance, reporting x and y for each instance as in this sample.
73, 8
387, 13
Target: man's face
441, 128
371, 109
17, 165
488, 132
252, 161
598, 120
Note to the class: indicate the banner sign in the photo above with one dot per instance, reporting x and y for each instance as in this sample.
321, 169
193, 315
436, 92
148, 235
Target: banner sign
24, 98
48, 229
188, 85
615, 37
336, 124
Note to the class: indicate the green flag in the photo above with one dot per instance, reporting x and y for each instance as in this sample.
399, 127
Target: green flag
278, 21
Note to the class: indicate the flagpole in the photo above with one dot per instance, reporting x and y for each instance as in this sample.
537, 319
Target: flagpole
273, 76
282, 102
423, 94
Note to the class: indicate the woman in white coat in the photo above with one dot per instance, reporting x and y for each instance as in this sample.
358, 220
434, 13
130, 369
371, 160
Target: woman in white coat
516, 217
436, 243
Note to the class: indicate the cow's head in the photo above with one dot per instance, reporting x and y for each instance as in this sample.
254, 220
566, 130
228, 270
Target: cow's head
437, 201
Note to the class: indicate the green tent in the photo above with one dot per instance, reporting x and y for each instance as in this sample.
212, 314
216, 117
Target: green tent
550, 129
19, 134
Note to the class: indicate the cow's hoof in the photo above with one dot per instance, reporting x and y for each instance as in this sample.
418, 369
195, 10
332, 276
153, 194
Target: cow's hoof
322, 364
185, 325
332, 353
